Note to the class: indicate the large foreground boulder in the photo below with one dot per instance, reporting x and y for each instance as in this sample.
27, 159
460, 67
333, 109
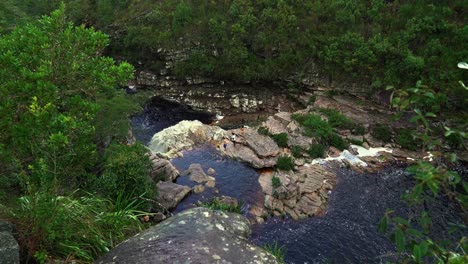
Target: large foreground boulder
9, 249
197, 235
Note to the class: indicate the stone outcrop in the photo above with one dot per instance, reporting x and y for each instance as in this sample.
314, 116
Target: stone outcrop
257, 150
162, 169
183, 136
170, 194
9, 249
302, 193
197, 235
283, 123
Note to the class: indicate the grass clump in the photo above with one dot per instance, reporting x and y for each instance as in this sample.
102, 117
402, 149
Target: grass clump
337, 142
297, 151
316, 151
281, 139
337, 119
285, 163
359, 129
263, 131
215, 204
275, 182
80, 227
382, 132
278, 251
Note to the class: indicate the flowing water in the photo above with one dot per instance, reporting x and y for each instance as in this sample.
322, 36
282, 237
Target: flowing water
345, 233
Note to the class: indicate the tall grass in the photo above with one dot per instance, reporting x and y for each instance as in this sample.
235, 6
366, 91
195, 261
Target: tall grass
278, 251
72, 227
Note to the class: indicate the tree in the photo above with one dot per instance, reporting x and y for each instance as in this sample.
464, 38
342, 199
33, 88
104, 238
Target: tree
52, 79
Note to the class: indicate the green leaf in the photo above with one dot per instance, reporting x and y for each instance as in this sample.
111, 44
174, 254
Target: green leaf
430, 114
400, 220
417, 253
423, 246
400, 240
383, 225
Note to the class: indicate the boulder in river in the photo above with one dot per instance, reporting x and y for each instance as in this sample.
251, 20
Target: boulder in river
197, 174
162, 169
197, 235
170, 194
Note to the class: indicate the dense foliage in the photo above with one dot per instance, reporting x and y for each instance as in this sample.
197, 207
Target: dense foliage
60, 109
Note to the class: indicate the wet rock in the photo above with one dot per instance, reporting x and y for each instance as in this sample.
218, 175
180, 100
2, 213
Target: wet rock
158, 217
227, 200
197, 174
162, 169
197, 235
170, 194
9, 249
211, 171
198, 188
210, 184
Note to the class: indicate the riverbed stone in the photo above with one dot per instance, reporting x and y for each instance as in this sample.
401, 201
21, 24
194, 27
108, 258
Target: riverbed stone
196, 173
170, 194
197, 235
198, 188
9, 249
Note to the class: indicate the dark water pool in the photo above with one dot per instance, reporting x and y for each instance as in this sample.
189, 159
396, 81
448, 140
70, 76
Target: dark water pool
346, 233
233, 178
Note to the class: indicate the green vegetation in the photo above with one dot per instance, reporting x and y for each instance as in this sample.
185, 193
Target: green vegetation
337, 119
281, 139
406, 139
285, 163
72, 190
296, 151
275, 182
316, 151
215, 204
278, 251
320, 129
382, 132
263, 131
413, 237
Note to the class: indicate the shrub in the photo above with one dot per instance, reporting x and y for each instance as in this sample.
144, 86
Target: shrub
73, 228
126, 169
216, 205
359, 129
337, 119
337, 142
316, 127
278, 251
311, 100
263, 131
382, 132
285, 163
406, 139
316, 151
297, 151
275, 182
281, 139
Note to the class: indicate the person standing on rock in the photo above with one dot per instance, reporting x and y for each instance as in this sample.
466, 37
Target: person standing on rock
225, 142
233, 138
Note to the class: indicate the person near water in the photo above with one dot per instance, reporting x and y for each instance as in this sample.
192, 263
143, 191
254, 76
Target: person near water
225, 142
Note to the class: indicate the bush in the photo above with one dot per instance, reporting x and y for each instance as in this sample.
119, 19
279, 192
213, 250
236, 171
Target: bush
316, 127
338, 120
337, 142
285, 163
275, 182
80, 228
382, 132
316, 151
263, 131
281, 139
359, 129
406, 140
297, 151
126, 169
